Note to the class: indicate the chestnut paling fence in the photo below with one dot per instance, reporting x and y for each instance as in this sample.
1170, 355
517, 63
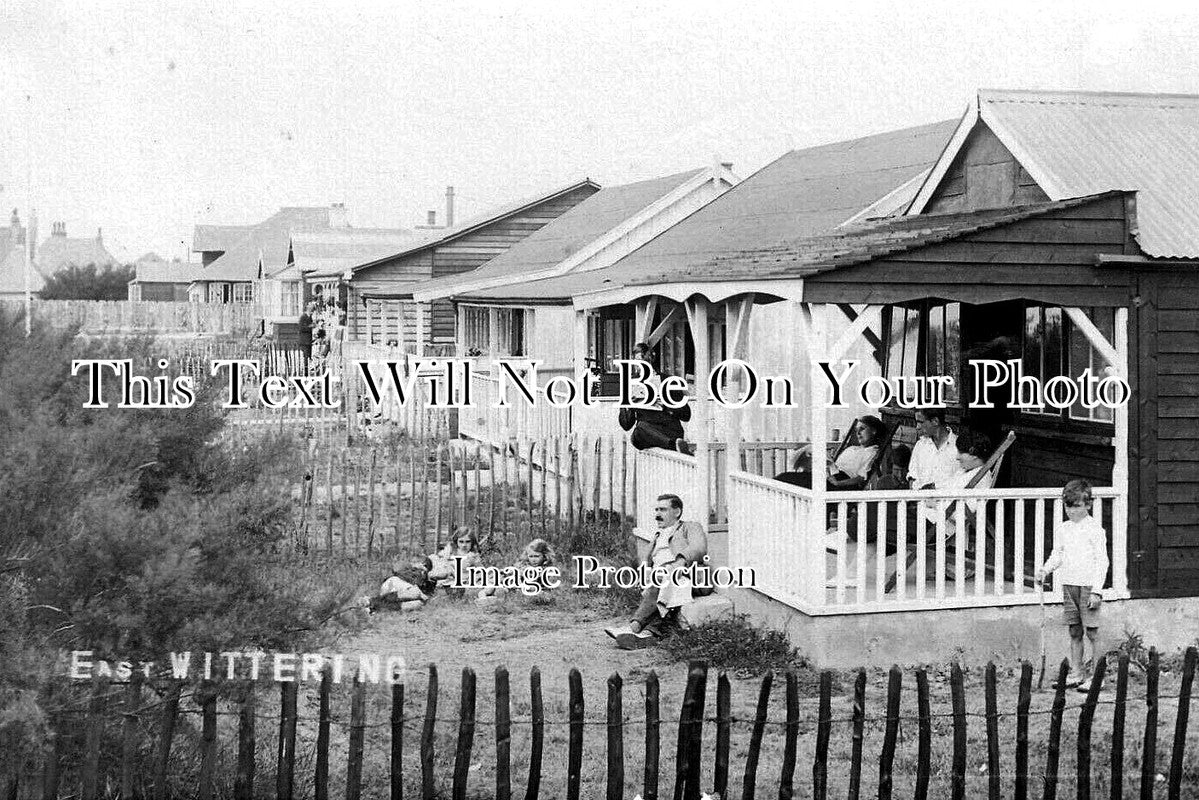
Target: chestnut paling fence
156, 748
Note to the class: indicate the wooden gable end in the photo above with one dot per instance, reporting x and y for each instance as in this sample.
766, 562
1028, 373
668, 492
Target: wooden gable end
984, 174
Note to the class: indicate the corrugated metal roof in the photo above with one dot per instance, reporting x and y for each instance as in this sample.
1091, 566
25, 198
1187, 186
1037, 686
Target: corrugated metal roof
568, 234
803, 193
1080, 143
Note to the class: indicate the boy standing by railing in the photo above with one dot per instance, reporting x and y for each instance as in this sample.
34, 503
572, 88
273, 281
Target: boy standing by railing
1080, 553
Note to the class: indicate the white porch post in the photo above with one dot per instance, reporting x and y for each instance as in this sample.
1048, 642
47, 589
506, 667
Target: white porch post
813, 320
697, 318
1116, 355
1120, 468
493, 332
580, 349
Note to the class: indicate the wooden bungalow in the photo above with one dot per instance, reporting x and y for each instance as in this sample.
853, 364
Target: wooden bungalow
1060, 226
519, 303
380, 291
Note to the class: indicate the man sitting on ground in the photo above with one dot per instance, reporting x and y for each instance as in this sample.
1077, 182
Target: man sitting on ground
677, 544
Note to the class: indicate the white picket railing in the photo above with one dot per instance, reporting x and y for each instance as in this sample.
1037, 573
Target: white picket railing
519, 420
899, 550
665, 472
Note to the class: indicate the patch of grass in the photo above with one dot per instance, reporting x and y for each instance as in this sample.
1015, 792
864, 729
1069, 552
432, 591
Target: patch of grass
737, 646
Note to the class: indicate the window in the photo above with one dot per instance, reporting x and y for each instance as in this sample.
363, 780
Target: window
290, 302
476, 324
510, 324
243, 292
1054, 345
925, 339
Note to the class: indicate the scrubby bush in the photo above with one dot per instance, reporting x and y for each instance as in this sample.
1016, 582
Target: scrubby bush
131, 532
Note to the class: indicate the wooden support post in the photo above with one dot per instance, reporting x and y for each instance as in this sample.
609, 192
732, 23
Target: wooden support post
1053, 751
428, 736
697, 320
357, 739
129, 765
1023, 703
1118, 714
615, 782
537, 714
791, 739
720, 778
1085, 720
992, 727
859, 723
94, 732
323, 720
886, 759
1174, 780
653, 750
243, 783
957, 695
924, 741
286, 757
397, 738
812, 329
824, 728
208, 754
1149, 748
574, 752
503, 736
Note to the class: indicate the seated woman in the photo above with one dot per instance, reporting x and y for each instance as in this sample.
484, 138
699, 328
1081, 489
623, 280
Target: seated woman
464, 548
974, 448
658, 426
851, 468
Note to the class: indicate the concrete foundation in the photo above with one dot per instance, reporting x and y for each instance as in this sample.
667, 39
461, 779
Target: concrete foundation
970, 635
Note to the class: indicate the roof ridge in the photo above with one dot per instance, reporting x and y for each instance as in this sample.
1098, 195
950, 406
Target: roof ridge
1082, 96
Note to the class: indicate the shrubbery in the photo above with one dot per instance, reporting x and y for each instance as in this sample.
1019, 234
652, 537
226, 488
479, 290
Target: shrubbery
129, 532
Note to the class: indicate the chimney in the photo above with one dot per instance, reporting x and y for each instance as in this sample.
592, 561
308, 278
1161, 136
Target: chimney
449, 206
16, 226
337, 216
58, 229
99, 236
32, 233
432, 219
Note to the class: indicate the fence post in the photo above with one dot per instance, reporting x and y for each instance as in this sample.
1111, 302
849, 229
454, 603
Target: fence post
503, 736
791, 739
615, 737
924, 736
95, 731
1174, 787
958, 698
1023, 702
1118, 713
357, 736
322, 733
1149, 751
992, 726
170, 711
466, 734
329, 506
723, 729
286, 760
129, 767
653, 750
887, 757
1055, 732
1085, 720
243, 783
428, 734
397, 738
824, 727
207, 699
859, 722
574, 757
538, 715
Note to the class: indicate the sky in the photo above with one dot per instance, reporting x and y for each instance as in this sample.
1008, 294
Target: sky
145, 119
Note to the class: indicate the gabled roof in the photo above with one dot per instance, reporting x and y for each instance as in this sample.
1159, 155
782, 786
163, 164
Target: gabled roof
217, 238
266, 242
1079, 143
801, 194
436, 238
58, 252
12, 269
569, 243
332, 251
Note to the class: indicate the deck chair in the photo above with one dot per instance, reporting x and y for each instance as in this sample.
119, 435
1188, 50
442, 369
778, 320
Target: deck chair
884, 448
985, 479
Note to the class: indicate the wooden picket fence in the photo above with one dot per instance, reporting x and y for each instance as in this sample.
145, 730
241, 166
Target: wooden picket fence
75, 738
402, 494
144, 316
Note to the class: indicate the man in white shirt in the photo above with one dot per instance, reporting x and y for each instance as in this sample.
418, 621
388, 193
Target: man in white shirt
935, 456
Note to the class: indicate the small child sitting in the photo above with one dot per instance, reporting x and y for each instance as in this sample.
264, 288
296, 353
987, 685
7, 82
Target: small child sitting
537, 555
407, 589
464, 549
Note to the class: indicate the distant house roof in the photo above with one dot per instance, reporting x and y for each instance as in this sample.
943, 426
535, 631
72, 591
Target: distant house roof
265, 243
331, 252
155, 270
573, 237
803, 193
217, 238
12, 266
60, 251
446, 235
1080, 143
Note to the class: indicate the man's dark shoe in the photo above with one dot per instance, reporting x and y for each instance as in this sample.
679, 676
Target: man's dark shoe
636, 641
